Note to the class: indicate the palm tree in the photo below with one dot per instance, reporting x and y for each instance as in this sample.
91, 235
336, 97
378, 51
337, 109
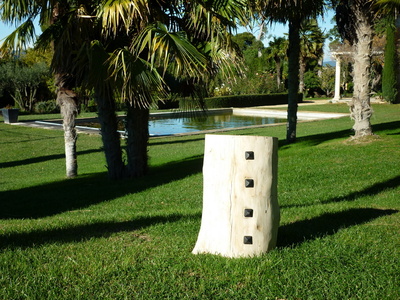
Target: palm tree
311, 47
355, 20
113, 47
23, 13
185, 39
277, 50
294, 12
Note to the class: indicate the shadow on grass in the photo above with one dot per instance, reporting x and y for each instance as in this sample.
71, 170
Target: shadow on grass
85, 232
374, 189
57, 197
316, 139
158, 141
296, 233
42, 159
23, 137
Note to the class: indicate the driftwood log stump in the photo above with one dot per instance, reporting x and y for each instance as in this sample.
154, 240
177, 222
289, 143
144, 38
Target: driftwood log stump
240, 206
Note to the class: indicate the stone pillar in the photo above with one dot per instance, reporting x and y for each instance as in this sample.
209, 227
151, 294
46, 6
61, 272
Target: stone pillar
337, 79
240, 206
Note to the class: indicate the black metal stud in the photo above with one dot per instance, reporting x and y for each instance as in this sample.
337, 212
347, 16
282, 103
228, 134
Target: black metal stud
249, 155
249, 183
248, 213
248, 240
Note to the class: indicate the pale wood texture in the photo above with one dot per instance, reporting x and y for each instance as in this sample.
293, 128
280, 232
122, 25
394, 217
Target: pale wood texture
225, 196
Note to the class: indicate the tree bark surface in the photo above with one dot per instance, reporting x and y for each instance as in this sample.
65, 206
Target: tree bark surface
293, 79
137, 129
360, 107
110, 137
67, 100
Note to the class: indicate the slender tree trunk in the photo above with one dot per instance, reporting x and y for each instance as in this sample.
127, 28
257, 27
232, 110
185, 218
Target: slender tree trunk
110, 136
278, 64
360, 107
67, 101
293, 79
137, 127
302, 70
320, 65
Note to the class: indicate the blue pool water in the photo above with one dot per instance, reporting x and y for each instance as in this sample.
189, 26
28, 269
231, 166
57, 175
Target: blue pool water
167, 126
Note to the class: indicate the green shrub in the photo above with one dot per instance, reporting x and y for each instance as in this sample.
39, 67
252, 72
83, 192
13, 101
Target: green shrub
46, 107
389, 90
242, 100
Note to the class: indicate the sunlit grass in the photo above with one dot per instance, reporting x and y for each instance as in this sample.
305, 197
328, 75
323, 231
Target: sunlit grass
91, 238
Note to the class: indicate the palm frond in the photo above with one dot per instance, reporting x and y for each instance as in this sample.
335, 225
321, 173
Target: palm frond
206, 17
91, 66
117, 14
387, 6
285, 10
140, 84
17, 11
388, 2
19, 40
169, 49
225, 61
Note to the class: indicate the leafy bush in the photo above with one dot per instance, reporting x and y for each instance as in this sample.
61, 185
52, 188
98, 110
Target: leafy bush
312, 82
389, 90
46, 107
87, 104
328, 80
23, 82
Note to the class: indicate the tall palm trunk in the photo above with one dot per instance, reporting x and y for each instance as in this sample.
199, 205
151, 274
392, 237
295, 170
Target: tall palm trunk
278, 64
293, 79
360, 107
110, 136
302, 71
68, 103
67, 100
137, 127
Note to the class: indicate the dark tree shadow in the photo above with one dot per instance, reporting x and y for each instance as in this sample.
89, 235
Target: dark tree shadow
296, 233
81, 233
316, 139
24, 162
374, 189
56, 197
159, 140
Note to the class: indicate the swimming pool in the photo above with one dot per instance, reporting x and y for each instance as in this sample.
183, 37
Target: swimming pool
164, 125
172, 123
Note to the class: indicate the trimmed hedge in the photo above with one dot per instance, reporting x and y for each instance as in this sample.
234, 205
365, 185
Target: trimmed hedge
241, 100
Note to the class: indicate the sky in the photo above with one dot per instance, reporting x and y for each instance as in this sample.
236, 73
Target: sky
276, 30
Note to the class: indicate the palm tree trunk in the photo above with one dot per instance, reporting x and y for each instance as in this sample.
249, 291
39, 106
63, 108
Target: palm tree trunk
278, 64
67, 100
302, 70
293, 79
110, 136
68, 103
360, 107
137, 127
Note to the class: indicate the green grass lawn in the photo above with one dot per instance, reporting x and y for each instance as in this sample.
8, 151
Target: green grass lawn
91, 238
